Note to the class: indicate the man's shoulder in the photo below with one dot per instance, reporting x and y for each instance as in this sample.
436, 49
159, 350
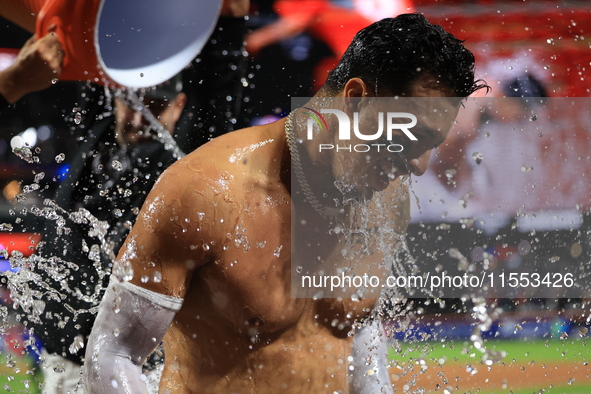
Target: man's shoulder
233, 151
231, 159
229, 142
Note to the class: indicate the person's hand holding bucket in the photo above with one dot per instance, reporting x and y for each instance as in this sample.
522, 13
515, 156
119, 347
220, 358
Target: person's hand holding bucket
36, 67
132, 43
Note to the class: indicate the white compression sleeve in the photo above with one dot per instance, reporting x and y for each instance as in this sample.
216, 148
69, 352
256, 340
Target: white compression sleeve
130, 323
370, 361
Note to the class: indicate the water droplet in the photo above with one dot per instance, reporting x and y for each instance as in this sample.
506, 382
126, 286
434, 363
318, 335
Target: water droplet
277, 251
449, 174
524, 247
123, 271
95, 253
30, 188
24, 153
157, 277
575, 250
60, 158
5, 227
39, 176
117, 165
77, 344
563, 335
78, 118
117, 305
299, 269
54, 81
478, 157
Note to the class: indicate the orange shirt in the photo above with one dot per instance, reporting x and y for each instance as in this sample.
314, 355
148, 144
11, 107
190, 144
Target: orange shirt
334, 25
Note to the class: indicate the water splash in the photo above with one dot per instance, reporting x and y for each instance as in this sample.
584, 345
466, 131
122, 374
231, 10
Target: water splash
156, 129
26, 279
35, 279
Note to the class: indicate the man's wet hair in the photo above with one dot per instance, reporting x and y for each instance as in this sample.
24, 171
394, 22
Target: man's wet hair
391, 54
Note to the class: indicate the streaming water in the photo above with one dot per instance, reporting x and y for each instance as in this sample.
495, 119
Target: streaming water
158, 132
401, 308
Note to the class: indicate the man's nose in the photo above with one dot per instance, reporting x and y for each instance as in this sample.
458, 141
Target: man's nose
419, 164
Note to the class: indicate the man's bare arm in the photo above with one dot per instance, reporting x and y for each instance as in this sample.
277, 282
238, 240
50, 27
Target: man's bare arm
135, 314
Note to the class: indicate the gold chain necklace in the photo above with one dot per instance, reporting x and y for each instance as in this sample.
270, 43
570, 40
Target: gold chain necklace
296, 166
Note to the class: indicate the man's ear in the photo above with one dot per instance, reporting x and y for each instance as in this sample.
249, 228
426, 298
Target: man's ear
355, 89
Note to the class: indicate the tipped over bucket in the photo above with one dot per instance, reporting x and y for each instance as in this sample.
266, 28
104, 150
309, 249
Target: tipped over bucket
134, 43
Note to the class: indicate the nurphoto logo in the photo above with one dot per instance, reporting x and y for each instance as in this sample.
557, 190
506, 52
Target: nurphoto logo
392, 120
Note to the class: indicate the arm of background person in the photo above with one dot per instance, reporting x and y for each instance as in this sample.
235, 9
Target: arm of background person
162, 253
37, 64
294, 18
274, 32
235, 8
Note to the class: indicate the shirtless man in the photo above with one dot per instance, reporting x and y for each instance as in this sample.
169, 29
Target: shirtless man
207, 266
